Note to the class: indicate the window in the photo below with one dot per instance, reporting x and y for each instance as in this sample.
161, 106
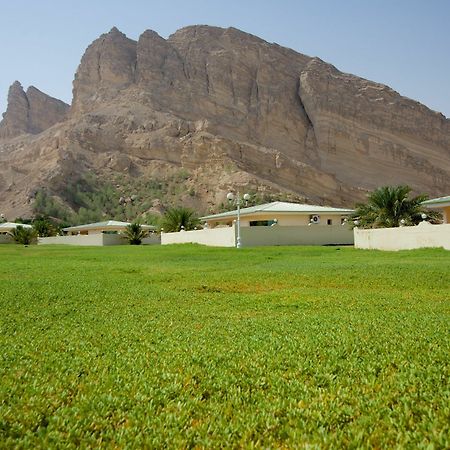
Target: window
262, 223
329, 222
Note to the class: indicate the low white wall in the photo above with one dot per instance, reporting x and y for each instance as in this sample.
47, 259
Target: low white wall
5, 239
152, 239
215, 237
404, 238
299, 235
89, 239
262, 236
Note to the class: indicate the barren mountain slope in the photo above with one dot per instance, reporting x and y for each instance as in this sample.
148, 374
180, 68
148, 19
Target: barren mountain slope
227, 110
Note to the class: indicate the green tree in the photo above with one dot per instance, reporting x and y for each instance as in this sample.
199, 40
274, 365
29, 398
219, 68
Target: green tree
176, 218
135, 234
44, 227
23, 235
391, 206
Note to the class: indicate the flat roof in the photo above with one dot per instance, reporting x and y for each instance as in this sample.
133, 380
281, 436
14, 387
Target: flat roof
10, 225
107, 224
440, 201
281, 207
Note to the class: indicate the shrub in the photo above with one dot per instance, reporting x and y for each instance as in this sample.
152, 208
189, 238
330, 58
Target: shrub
44, 227
135, 234
23, 235
177, 218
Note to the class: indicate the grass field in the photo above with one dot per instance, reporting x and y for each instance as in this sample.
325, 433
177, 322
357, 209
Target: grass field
186, 346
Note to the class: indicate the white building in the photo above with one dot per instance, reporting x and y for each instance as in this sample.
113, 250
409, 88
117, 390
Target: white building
7, 228
441, 204
276, 223
111, 232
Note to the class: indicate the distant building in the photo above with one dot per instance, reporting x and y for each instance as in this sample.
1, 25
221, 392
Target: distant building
276, 223
7, 228
281, 213
442, 204
107, 227
111, 232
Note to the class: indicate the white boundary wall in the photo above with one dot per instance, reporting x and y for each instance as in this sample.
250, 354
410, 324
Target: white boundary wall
89, 239
423, 235
264, 236
98, 239
6, 239
215, 237
152, 239
296, 235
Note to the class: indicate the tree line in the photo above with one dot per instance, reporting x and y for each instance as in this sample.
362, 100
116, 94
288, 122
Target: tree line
387, 206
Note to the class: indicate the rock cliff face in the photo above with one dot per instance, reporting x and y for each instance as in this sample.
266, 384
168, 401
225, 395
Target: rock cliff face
107, 66
232, 111
363, 127
31, 112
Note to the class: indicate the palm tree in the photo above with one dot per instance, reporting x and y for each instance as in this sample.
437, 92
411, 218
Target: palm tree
179, 218
135, 234
43, 227
390, 206
23, 235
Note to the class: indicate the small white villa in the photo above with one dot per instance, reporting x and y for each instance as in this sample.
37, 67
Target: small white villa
108, 227
281, 214
275, 223
111, 232
7, 228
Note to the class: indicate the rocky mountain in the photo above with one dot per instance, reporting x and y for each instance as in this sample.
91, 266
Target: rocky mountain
185, 119
30, 112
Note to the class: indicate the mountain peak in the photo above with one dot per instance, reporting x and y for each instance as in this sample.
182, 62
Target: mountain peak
16, 84
30, 112
115, 30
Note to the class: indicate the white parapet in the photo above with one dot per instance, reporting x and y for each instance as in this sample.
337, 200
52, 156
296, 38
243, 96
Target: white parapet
264, 236
215, 237
97, 239
297, 235
6, 239
423, 235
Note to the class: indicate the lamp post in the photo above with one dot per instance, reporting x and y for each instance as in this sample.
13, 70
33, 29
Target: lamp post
237, 199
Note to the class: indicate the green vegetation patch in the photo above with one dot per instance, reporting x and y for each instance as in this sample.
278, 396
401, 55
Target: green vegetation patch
187, 346
93, 199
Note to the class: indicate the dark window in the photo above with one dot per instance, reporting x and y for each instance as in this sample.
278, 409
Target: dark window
329, 222
261, 223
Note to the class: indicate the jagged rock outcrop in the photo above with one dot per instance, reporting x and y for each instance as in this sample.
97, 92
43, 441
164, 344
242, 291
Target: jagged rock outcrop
15, 119
230, 109
107, 66
31, 112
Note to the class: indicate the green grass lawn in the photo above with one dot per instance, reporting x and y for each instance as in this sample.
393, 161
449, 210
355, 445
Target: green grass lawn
188, 346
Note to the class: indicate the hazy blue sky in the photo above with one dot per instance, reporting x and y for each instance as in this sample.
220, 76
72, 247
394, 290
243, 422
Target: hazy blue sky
402, 43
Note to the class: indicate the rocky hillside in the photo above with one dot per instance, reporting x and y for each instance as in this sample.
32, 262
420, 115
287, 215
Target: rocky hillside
185, 119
